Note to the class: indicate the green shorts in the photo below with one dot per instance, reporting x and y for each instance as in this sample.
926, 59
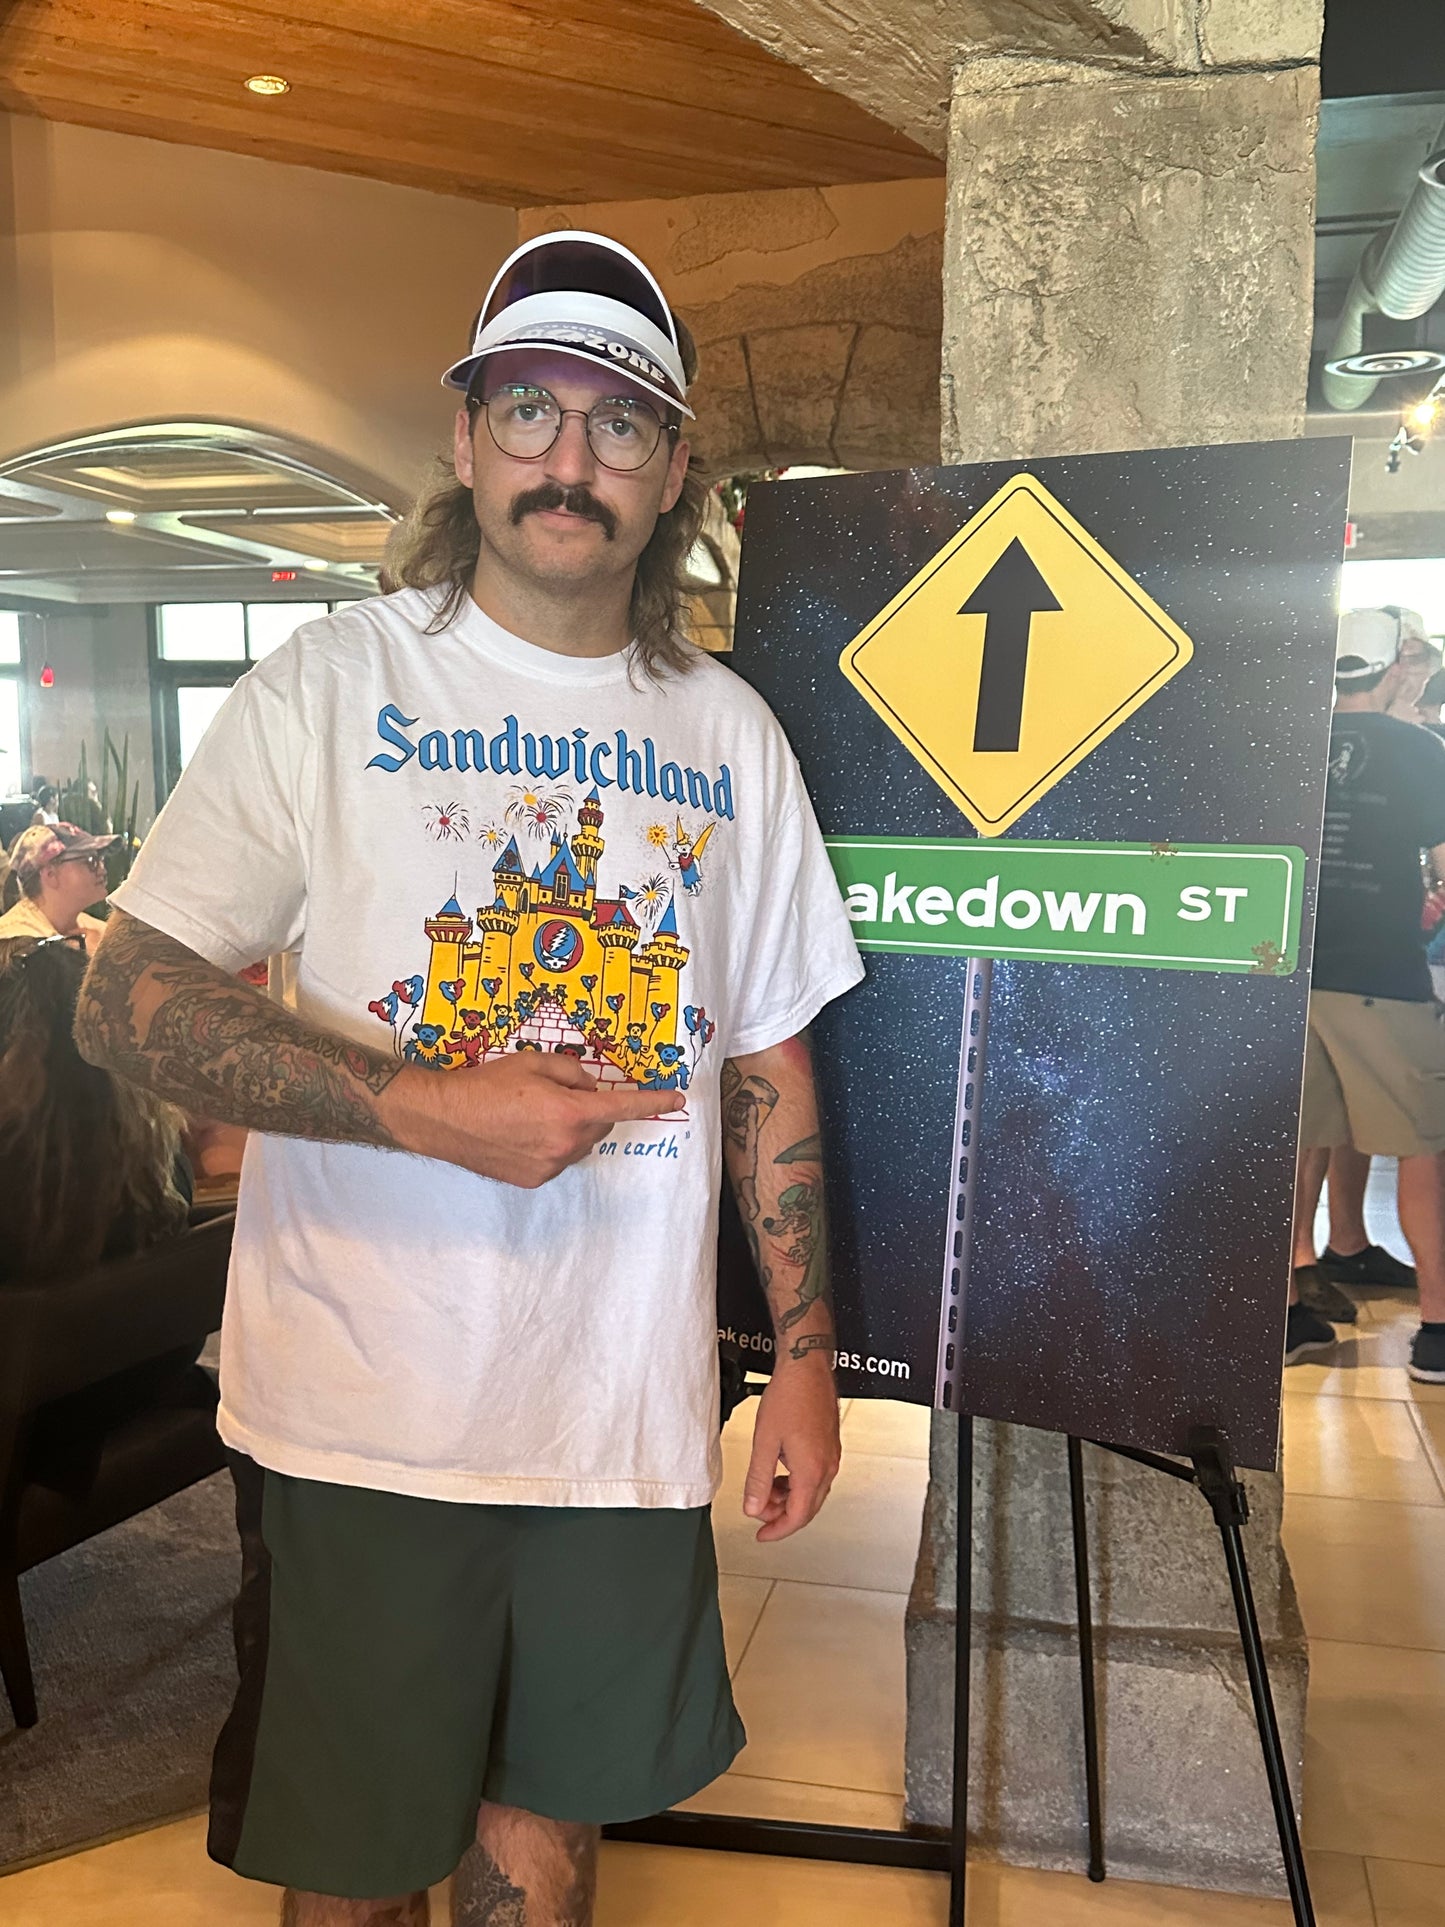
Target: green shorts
402, 1660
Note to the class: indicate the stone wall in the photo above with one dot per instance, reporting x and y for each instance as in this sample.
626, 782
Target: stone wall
818, 315
896, 57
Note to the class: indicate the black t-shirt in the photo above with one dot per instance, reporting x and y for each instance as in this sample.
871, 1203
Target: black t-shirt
1385, 804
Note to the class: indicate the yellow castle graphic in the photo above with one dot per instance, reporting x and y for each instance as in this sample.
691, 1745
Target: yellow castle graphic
548, 958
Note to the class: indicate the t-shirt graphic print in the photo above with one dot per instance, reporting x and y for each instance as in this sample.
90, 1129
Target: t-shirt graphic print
468, 847
554, 950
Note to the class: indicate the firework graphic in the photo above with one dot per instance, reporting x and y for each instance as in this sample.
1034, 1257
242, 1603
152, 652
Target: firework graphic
650, 899
657, 835
446, 822
492, 836
543, 814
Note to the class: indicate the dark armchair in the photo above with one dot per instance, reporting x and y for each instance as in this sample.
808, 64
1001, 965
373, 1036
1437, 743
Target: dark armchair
102, 1412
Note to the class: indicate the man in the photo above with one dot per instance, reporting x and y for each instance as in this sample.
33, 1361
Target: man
1432, 699
61, 874
472, 1392
1351, 1258
1375, 1058
1416, 653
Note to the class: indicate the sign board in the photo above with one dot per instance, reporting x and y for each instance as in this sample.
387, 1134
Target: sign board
1071, 715
1021, 604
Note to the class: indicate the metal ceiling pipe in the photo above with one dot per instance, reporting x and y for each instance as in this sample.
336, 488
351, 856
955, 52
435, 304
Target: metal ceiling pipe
1402, 274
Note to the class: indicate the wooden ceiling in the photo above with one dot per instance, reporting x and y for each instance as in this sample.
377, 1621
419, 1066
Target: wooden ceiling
511, 101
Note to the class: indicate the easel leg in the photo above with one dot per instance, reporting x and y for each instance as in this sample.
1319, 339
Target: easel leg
962, 1676
1218, 1481
1084, 1604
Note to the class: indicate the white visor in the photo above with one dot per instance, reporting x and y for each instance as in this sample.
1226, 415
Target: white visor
591, 327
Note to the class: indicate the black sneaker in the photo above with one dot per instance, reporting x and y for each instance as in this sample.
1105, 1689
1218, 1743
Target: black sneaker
1316, 1291
1305, 1332
1427, 1358
1372, 1266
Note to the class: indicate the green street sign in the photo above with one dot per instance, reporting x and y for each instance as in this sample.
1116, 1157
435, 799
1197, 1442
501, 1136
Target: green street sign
1167, 907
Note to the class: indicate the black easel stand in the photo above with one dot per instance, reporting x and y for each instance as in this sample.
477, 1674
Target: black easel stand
1212, 1470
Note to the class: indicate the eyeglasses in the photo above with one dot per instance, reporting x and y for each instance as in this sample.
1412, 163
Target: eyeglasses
623, 434
92, 859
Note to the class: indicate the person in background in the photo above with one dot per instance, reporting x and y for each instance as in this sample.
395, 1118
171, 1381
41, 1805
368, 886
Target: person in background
1432, 697
92, 1163
1350, 1258
56, 873
92, 1171
1375, 1056
1414, 652
46, 798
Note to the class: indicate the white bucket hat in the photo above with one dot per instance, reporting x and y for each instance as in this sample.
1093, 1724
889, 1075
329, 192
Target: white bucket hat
1369, 641
585, 295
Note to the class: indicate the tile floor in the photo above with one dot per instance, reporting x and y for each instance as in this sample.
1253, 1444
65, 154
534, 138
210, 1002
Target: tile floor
814, 1629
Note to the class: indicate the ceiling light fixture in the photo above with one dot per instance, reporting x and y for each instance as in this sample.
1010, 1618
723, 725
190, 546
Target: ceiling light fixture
121, 517
314, 562
268, 84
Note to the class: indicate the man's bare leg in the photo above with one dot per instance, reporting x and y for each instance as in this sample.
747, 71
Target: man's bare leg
1309, 1179
1349, 1174
1422, 1219
324, 1910
526, 1872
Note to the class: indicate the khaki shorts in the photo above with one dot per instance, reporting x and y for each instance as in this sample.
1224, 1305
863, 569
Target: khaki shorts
1374, 1075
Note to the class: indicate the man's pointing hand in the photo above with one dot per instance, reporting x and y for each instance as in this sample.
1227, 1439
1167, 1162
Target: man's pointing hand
522, 1120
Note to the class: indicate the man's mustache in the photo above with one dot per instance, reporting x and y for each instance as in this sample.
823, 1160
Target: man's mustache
575, 501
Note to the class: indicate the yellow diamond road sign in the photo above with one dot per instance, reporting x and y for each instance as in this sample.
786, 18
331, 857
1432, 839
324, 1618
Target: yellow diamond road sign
1013, 654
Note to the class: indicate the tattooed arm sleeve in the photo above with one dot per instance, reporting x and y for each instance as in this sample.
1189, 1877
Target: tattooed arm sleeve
774, 1155
154, 1012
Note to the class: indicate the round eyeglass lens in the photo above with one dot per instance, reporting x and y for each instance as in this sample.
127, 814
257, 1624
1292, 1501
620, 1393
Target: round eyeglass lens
623, 434
525, 422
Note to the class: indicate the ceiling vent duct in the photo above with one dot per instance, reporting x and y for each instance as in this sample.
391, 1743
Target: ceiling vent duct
1402, 274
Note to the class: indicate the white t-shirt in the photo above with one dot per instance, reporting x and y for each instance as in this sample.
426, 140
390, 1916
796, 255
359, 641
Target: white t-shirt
472, 845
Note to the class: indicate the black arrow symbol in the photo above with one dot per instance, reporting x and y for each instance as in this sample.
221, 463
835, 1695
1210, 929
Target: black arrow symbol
1010, 595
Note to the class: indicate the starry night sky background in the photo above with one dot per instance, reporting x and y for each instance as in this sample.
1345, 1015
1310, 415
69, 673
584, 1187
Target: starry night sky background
1137, 1142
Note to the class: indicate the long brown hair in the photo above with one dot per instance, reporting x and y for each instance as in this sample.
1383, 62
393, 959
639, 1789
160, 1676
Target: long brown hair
86, 1160
437, 545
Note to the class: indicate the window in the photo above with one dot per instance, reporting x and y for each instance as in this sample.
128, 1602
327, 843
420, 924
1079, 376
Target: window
201, 650
202, 631
11, 764
1416, 582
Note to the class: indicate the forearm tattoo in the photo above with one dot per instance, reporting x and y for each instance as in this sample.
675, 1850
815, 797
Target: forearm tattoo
780, 1200
747, 1103
220, 1049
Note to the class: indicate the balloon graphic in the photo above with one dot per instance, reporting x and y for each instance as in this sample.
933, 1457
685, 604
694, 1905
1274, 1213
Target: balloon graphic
452, 989
527, 970
384, 1008
410, 990
615, 1004
589, 983
690, 1016
709, 1031
659, 1011
491, 985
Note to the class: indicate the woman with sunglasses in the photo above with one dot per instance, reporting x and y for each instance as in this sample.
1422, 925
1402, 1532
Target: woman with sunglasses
56, 873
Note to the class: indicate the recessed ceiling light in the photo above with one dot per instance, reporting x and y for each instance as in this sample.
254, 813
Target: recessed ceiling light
121, 517
268, 84
314, 562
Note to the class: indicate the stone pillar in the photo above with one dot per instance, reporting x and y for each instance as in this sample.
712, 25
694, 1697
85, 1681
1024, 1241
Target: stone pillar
1128, 264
